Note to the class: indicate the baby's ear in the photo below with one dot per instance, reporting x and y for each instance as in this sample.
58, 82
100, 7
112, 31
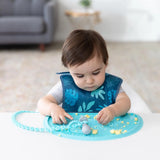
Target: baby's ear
106, 64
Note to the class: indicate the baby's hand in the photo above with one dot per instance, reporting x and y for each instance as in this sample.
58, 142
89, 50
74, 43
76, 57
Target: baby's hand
105, 115
58, 115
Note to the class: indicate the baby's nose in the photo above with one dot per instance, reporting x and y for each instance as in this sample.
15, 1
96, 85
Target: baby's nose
89, 80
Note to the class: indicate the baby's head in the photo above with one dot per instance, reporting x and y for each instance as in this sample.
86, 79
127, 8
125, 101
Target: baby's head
81, 46
85, 54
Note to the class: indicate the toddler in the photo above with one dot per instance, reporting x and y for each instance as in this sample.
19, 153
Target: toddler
86, 87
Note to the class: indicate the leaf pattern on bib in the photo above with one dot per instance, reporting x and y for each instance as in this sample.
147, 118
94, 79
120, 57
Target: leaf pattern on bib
111, 94
98, 93
86, 108
71, 97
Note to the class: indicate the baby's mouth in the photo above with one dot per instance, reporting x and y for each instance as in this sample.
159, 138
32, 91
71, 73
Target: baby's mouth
90, 88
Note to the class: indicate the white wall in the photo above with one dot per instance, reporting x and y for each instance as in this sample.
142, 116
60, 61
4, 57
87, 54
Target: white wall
122, 20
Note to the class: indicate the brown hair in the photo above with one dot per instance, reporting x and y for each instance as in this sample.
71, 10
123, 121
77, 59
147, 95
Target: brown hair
82, 45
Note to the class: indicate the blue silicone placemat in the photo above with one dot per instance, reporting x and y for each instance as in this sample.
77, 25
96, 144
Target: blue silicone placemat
119, 127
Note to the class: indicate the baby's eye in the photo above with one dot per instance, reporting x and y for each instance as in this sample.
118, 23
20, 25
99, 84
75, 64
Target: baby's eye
80, 76
96, 73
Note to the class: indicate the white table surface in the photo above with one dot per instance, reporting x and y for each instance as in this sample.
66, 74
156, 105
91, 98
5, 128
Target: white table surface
19, 144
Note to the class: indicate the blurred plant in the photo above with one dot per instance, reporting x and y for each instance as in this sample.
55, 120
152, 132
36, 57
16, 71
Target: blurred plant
86, 3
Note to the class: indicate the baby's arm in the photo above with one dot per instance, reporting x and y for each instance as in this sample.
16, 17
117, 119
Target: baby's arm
120, 107
48, 106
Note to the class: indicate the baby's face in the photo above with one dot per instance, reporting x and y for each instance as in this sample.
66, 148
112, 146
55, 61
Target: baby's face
90, 75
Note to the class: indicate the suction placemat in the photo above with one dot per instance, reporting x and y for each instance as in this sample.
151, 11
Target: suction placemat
84, 126
119, 127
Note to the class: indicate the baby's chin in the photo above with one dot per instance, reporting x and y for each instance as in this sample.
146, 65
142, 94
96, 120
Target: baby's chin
90, 89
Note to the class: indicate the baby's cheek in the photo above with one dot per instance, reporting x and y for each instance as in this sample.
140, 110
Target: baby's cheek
101, 79
79, 84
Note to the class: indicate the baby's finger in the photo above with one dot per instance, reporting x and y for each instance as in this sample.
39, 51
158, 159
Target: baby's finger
101, 119
53, 120
62, 118
99, 116
68, 116
106, 121
58, 120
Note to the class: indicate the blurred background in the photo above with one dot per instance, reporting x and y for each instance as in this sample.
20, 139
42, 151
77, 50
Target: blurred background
121, 20
32, 34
